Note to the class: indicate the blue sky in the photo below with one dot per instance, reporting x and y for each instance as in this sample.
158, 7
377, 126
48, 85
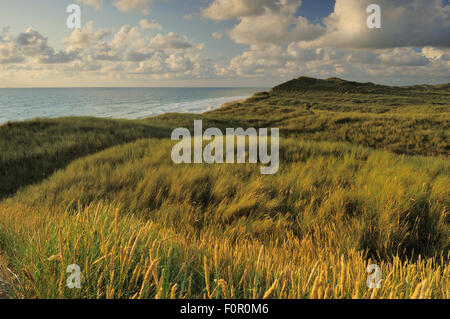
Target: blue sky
49, 17
221, 42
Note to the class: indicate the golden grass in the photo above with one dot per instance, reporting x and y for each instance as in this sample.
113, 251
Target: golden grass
146, 228
124, 257
141, 227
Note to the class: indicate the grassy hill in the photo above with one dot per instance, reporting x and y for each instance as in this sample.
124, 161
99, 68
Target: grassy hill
403, 120
33, 150
363, 179
306, 84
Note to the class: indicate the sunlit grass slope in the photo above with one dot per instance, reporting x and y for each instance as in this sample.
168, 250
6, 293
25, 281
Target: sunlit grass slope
363, 179
308, 231
405, 120
412, 120
127, 257
31, 151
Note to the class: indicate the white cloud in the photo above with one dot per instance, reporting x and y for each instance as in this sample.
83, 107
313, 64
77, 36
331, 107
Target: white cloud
178, 62
153, 25
436, 54
217, 35
169, 41
274, 28
414, 23
134, 5
85, 37
102, 55
395, 66
283, 44
94, 3
412, 46
264, 21
229, 9
128, 37
403, 57
259, 61
405, 23
32, 47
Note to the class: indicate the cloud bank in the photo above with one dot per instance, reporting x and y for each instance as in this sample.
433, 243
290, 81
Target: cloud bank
276, 42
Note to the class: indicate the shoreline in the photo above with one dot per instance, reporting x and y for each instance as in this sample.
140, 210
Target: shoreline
133, 111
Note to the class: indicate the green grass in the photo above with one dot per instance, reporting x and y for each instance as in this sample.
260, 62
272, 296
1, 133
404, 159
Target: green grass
399, 204
363, 178
33, 150
402, 120
127, 257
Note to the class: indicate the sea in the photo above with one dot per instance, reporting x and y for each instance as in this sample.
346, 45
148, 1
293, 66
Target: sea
121, 103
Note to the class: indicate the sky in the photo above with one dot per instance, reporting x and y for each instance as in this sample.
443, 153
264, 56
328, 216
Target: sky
221, 43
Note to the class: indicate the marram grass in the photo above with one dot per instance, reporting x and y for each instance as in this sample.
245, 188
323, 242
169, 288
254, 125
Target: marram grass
363, 179
124, 257
140, 226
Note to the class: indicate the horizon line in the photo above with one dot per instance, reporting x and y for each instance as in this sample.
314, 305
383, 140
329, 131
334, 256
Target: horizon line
137, 87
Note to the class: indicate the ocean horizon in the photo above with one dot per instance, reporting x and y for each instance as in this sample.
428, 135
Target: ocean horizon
20, 104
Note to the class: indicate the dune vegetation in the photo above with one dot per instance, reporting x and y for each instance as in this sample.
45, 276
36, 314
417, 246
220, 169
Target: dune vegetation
363, 179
